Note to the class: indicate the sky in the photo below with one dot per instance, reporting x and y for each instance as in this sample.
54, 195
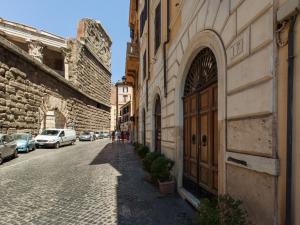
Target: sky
61, 17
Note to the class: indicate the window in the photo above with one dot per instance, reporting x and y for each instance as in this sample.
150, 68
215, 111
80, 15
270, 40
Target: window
157, 23
125, 98
143, 17
144, 65
125, 89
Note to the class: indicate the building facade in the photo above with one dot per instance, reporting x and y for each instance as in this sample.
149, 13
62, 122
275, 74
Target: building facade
113, 109
123, 96
212, 85
51, 82
126, 117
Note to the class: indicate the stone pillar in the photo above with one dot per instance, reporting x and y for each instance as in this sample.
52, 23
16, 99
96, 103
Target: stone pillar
67, 58
36, 50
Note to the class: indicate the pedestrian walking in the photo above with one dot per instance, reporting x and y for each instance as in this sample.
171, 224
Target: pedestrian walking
113, 136
122, 136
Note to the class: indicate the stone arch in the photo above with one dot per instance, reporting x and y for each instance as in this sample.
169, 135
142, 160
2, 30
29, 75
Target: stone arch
203, 39
53, 113
156, 95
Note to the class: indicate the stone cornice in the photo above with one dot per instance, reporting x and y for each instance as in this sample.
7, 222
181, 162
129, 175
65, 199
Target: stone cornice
18, 51
25, 33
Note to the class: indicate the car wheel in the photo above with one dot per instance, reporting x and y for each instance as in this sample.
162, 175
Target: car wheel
57, 145
1, 160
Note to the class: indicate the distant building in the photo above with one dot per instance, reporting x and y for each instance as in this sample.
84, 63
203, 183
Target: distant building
48, 81
125, 117
123, 96
113, 109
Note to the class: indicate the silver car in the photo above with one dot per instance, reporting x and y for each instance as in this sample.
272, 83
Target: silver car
7, 147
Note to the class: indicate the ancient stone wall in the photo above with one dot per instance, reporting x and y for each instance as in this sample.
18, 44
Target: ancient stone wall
29, 89
90, 60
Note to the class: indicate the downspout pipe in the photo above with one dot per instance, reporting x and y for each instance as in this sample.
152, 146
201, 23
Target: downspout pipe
165, 49
148, 54
290, 106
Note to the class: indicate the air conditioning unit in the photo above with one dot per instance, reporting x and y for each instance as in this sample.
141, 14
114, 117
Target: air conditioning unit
289, 8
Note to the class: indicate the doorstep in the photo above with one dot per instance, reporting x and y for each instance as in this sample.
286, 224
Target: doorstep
189, 197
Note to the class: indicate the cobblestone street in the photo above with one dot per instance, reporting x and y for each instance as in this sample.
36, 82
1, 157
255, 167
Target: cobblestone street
88, 183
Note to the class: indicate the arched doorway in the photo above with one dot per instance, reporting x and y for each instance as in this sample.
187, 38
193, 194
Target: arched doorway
54, 119
200, 104
157, 123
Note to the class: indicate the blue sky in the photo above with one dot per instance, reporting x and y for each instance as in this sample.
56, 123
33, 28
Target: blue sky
61, 17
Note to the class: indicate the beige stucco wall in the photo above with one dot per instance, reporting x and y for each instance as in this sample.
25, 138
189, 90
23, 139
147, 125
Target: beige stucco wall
241, 35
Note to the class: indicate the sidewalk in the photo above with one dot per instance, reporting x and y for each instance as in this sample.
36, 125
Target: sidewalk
138, 202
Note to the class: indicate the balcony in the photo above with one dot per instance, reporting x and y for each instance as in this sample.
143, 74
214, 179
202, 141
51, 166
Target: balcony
132, 50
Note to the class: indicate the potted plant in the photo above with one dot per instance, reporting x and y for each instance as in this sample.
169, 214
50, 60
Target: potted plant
147, 162
223, 210
142, 151
161, 172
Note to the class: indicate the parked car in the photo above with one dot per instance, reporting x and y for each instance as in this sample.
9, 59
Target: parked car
87, 136
105, 134
25, 142
98, 135
7, 147
55, 138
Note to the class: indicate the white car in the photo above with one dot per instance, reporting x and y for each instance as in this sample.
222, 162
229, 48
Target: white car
55, 138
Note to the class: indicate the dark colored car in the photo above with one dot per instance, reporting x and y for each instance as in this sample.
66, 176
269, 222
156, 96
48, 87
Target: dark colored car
7, 147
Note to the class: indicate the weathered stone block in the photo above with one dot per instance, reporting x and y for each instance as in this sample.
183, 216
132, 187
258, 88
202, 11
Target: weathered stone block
2, 87
245, 103
9, 75
262, 30
2, 102
254, 136
256, 68
260, 189
250, 10
10, 89
18, 72
2, 72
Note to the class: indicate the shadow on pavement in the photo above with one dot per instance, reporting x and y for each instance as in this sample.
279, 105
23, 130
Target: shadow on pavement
138, 202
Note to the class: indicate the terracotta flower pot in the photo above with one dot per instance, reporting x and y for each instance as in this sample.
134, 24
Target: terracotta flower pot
167, 187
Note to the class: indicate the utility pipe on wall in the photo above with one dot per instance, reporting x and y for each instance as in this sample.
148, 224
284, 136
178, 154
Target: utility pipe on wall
165, 49
290, 106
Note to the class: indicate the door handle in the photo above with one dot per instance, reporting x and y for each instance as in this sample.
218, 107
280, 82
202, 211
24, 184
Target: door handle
204, 140
193, 139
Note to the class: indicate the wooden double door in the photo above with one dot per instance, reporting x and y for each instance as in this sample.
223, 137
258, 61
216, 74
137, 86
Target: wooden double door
200, 175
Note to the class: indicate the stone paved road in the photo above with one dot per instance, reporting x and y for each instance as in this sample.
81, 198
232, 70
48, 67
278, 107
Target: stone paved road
89, 183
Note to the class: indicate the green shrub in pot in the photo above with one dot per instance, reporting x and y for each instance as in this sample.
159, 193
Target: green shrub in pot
223, 210
161, 169
142, 151
148, 160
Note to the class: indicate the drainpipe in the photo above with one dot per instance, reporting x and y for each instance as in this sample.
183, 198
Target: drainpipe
148, 53
291, 43
165, 49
